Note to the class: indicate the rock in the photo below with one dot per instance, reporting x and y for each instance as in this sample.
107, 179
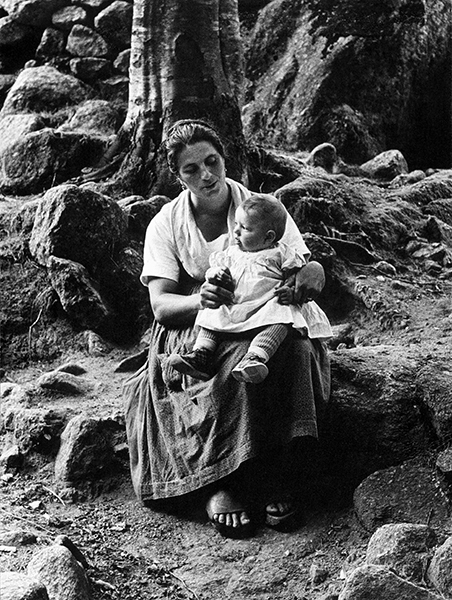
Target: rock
36, 430
440, 569
433, 188
386, 268
59, 571
17, 537
11, 458
433, 382
317, 574
18, 586
444, 463
122, 62
409, 493
405, 548
52, 44
78, 225
140, 213
407, 178
43, 89
436, 230
13, 33
373, 418
77, 293
86, 451
68, 16
115, 88
14, 127
95, 4
96, 345
35, 13
325, 156
66, 383
45, 158
90, 69
114, 23
73, 368
442, 209
377, 582
6, 83
385, 165
83, 41
95, 116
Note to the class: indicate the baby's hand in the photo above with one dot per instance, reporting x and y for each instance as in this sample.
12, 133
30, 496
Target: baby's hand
285, 294
221, 277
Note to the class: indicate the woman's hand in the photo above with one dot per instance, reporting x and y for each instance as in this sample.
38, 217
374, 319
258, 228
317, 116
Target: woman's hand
218, 288
309, 281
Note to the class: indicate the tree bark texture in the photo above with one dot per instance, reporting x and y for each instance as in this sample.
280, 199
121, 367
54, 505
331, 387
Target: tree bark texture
186, 62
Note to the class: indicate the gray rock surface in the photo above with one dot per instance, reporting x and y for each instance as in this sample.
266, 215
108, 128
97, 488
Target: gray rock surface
18, 586
440, 569
63, 576
372, 582
408, 493
43, 89
406, 548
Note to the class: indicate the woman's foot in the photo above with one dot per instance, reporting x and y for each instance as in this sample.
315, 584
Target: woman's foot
228, 516
283, 515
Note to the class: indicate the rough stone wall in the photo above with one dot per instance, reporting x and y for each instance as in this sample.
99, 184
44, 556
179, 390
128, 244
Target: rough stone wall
89, 39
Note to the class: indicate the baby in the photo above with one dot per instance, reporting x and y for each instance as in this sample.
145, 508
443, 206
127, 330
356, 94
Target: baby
256, 269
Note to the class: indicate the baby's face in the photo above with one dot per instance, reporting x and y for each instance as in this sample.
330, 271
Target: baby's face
249, 232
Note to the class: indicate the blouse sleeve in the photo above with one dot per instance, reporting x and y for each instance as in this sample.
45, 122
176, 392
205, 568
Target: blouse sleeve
293, 238
159, 253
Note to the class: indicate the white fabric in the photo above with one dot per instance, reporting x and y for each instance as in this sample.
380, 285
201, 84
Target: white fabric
173, 239
255, 275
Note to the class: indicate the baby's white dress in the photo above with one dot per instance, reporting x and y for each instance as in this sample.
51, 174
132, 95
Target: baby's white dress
256, 275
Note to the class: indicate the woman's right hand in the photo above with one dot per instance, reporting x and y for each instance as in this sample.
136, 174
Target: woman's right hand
218, 288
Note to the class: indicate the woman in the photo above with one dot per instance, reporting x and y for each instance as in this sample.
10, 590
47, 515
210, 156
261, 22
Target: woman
186, 435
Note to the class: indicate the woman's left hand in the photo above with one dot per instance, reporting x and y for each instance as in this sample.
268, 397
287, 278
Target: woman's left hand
309, 282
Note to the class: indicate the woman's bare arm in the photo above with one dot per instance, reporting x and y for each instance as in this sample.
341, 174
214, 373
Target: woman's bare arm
176, 310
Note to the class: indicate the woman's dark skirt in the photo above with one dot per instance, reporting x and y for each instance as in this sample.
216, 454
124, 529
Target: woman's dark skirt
184, 434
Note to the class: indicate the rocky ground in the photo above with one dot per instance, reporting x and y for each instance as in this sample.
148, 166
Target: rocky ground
135, 552
399, 322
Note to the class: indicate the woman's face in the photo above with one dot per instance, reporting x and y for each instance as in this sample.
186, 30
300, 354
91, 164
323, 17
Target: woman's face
202, 170
250, 233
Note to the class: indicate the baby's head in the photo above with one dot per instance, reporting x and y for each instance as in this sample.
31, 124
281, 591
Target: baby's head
260, 222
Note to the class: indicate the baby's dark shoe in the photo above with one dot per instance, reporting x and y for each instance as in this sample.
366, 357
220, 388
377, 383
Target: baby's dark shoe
251, 369
199, 363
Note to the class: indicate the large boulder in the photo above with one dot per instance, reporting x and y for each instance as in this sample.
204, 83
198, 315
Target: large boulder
410, 493
16, 126
43, 89
77, 293
77, 224
364, 97
440, 569
57, 569
84, 41
374, 582
44, 158
86, 452
36, 13
15, 585
94, 116
373, 419
114, 23
406, 548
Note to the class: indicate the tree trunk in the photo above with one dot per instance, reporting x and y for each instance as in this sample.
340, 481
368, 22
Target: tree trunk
186, 62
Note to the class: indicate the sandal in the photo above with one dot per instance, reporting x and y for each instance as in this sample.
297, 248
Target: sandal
223, 503
283, 521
